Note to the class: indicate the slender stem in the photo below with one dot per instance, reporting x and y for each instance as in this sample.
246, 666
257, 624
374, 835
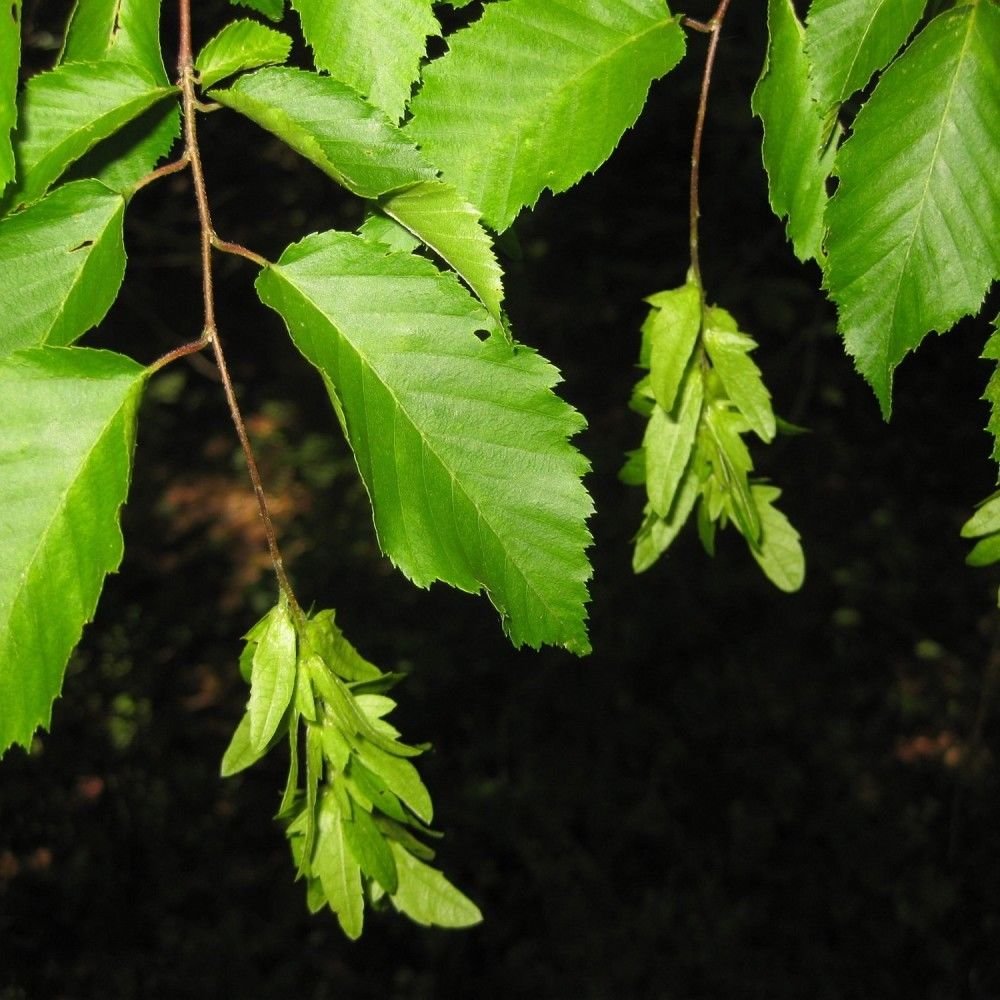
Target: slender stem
164, 171
239, 251
210, 334
714, 28
702, 26
192, 347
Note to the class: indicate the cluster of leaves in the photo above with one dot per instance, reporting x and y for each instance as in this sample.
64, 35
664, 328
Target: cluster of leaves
461, 443
353, 827
458, 436
910, 240
703, 393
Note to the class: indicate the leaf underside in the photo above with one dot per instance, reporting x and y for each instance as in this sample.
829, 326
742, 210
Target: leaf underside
66, 434
118, 30
331, 125
434, 212
69, 110
797, 157
847, 41
239, 46
566, 80
427, 897
360, 148
125, 31
914, 228
460, 441
374, 46
61, 264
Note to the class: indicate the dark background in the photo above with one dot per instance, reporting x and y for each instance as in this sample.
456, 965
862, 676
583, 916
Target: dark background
740, 794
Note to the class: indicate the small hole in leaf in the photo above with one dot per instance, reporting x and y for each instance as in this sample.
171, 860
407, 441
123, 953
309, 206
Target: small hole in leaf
13, 12
483, 334
82, 246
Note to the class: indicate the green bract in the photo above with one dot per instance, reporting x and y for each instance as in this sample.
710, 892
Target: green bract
702, 394
354, 829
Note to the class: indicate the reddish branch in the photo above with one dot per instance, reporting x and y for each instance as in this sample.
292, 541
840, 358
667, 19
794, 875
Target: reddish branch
191, 158
712, 28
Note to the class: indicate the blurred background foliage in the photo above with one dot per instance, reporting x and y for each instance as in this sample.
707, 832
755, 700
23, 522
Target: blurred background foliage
740, 794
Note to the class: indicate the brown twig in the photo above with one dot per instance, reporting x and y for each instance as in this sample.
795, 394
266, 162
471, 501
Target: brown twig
210, 333
164, 171
712, 28
238, 251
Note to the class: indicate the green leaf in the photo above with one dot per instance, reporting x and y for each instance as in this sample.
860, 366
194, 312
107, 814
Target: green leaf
633, 472
730, 354
290, 796
986, 520
992, 394
67, 429
399, 776
373, 788
314, 775
460, 441
117, 30
335, 746
10, 62
331, 645
330, 125
565, 80
658, 533
61, 264
401, 835
375, 46
672, 333
914, 241
367, 844
123, 31
241, 752
272, 682
798, 150
338, 872
379, 228
274, 10
427, 897
252, 637
374, 706
123, 159
780, 552
350, 719
435, 213
66, 111
847, 41
668, 442
732, 465
985, 552
239, 46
